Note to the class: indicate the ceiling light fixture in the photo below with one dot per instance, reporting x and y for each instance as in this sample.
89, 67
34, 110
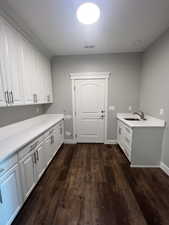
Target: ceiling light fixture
88, 13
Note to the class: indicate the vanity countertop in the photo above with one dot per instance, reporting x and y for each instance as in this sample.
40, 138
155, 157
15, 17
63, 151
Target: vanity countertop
149, 122
15, 136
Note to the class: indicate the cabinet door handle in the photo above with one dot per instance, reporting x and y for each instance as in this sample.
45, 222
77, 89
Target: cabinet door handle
36, 98
52, 139
1, 201
7, 97
12, 97
34, 157
37, 155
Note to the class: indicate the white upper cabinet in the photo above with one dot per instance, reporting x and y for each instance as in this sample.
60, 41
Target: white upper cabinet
13, 66
25, 76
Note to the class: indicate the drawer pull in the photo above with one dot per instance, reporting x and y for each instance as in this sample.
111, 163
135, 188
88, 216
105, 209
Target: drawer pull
33, 146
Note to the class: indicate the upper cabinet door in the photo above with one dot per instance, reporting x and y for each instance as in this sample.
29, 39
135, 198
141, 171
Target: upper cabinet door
39, 78
28, 71
2, 69
48, 97
13, 65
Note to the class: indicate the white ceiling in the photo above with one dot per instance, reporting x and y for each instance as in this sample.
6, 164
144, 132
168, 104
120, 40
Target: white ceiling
124, 26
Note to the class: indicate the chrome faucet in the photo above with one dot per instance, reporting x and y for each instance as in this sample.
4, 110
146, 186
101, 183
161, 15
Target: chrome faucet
140, 114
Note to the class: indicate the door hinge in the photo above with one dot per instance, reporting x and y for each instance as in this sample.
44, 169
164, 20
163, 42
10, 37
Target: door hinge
75, 135
74, 88
75, 113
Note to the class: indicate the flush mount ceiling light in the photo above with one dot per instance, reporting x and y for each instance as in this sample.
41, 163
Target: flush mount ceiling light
88, 13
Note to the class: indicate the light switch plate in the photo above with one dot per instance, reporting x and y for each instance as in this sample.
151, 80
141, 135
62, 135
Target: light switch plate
130, 108
162, 112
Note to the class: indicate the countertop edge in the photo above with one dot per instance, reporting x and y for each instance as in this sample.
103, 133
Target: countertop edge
120, 117
19, 147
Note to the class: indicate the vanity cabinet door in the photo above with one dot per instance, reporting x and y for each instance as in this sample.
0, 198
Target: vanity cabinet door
10, 195
28, 175
49, 145
40, 161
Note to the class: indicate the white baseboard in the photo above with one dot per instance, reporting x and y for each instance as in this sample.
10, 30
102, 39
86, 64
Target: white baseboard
69, 141
165, 168
144, 166
110, 142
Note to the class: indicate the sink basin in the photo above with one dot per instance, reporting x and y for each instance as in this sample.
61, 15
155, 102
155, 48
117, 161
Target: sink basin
132, 119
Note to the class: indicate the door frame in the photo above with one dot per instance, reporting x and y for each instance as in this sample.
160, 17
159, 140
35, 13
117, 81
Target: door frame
89, 76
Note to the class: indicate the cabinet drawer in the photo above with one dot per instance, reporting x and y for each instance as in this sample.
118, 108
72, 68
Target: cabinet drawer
7, 164
29, 148
49, 132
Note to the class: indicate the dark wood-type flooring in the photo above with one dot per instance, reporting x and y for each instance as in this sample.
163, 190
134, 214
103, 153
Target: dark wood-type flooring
92, 184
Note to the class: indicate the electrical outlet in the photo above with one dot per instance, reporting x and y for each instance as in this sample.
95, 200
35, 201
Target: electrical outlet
130, 108
112, 108
161, 112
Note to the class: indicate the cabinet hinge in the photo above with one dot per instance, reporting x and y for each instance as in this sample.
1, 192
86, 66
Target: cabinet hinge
75, 113
74, 88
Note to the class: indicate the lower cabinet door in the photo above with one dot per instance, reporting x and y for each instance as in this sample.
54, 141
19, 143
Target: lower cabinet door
61, 132
49, 149
10, 195
28, 174
40, 161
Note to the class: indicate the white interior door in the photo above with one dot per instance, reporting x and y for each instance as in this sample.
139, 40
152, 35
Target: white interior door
90, 110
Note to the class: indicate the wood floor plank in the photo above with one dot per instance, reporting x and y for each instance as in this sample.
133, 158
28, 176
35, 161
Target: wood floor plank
93, 184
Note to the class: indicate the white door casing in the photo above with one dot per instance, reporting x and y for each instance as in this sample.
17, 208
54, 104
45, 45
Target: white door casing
89, 95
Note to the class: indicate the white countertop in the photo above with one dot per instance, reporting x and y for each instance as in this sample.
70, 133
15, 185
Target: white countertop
13, 137
149, 122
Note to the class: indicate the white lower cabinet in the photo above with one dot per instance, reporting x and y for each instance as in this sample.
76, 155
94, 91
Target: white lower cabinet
10, 195
20, 173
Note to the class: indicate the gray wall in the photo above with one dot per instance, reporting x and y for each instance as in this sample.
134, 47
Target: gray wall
123, 85
154, 92
10, 115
